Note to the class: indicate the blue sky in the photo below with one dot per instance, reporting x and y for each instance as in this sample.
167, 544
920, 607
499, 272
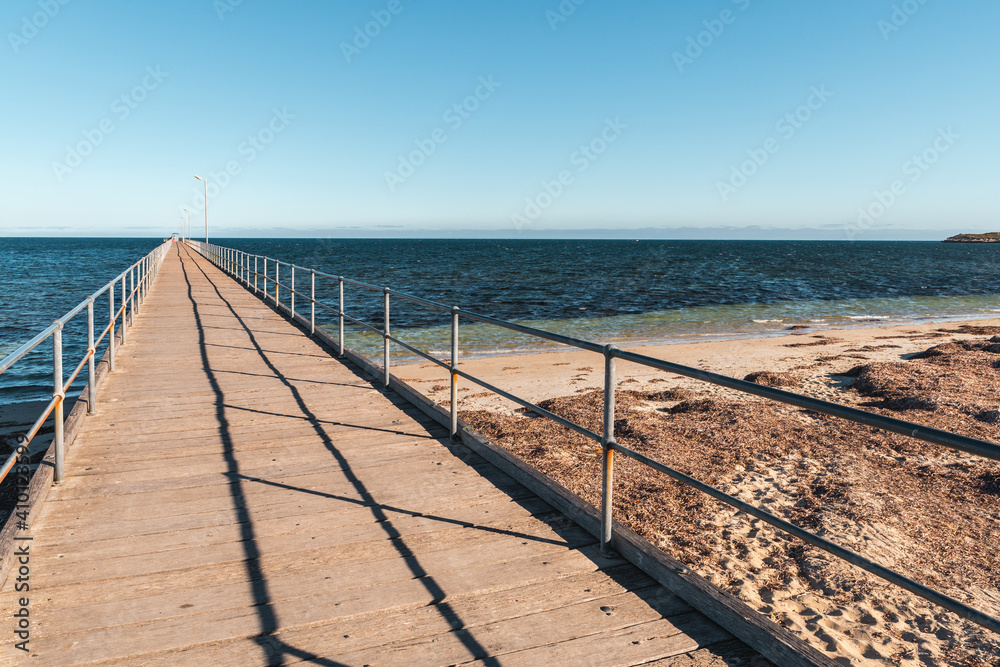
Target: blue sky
593, 116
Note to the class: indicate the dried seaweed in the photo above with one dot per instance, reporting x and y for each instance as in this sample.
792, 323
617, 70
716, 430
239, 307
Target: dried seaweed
943, 507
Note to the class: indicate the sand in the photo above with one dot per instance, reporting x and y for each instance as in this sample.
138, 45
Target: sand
914, 508
544, 375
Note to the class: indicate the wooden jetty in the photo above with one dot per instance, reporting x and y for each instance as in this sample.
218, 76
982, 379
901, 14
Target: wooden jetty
243, 497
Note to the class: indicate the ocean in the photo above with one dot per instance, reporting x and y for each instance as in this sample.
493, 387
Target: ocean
608, 291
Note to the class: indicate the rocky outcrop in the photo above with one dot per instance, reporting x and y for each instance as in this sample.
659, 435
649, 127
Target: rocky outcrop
990, 237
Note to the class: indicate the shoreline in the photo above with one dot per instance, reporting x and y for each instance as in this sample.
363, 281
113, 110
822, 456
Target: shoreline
540, 375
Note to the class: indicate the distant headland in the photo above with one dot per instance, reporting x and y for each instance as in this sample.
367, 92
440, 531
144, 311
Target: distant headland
989, 237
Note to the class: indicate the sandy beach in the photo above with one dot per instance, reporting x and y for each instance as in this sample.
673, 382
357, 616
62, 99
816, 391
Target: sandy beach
930, 513
811, 354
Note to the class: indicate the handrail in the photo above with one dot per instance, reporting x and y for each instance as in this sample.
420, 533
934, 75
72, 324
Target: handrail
140, 274
238, 264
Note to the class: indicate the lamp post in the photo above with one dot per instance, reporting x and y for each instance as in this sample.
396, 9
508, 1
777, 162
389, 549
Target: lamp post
188, 234
206, 205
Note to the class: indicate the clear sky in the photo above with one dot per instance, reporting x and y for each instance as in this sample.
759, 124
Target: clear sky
714, 118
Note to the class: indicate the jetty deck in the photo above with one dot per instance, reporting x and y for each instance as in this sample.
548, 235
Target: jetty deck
242, 497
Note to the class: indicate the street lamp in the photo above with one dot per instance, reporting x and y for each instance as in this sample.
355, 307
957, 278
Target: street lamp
188, 234
206, 205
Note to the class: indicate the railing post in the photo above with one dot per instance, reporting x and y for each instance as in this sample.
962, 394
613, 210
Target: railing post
293, 292
454, 371
277, 282
608, 447
131, 293
312, 302
111, 330
385, 349
91, 375
255, 273
266, 294
125, 324
60, 394
124, 311
340, 338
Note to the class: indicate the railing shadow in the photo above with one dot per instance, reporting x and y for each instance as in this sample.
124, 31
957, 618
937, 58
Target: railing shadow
314, 422
266, 614
264, 605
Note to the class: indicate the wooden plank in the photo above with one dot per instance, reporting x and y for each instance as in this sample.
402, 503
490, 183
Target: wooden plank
436, 550
502, 638
721, 654
252, 456
349, 599
79, 517
632, 645
370, 631
410, 463
310, 532
382, 480
140, 523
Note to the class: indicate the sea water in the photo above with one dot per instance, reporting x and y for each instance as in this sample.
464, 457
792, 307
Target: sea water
606, 291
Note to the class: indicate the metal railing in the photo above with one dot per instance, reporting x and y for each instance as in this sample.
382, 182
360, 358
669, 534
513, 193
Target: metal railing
134, 282
245, 268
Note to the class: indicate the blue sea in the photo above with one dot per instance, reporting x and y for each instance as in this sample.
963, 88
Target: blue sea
608, 291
